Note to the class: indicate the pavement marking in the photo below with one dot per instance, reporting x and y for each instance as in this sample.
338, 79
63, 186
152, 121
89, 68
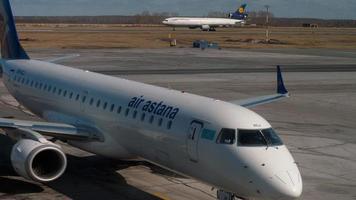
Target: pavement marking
161, 196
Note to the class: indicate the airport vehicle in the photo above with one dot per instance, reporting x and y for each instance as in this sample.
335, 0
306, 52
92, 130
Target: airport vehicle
220, 143
203, 44
207, 23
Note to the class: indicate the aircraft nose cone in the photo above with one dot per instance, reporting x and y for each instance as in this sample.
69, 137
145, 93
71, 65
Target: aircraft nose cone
290, 184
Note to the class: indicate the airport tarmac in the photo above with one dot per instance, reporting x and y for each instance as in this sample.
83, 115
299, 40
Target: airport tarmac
317, 122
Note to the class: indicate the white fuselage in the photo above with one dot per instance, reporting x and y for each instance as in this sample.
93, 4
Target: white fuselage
200, 22
161, 132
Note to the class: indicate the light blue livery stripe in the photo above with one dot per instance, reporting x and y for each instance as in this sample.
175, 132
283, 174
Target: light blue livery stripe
208, 134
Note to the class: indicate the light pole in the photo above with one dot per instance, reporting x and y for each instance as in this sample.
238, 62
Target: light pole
267, 23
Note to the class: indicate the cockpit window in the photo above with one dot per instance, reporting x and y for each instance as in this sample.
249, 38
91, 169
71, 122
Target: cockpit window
264, 137
227, 136
251, 138
272, 137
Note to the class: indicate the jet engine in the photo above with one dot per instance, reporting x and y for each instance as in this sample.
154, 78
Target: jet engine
40, 162
205, 27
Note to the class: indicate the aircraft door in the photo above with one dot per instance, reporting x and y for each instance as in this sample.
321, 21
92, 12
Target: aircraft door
12, 80
193, 139
11, 76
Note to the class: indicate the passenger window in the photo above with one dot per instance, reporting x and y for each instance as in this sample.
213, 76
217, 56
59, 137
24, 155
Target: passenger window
71, 95
40, 85
36, 84
91, 101
98, 103
105, 105
27, 81
54, 90
160, 122
65, 93
77, 97
112, 107
45, 87
227, 136
134, 114
59, 91
83, 99
127, 111
119, 110
143, 117
151, 119
169, 125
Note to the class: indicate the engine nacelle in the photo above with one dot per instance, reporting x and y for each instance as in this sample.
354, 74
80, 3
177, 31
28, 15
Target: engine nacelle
205, 27
40, 162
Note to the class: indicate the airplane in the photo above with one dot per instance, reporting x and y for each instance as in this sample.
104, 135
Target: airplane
206, 23
223, 144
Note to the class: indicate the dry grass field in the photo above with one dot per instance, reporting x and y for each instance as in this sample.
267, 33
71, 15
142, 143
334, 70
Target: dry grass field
119, 36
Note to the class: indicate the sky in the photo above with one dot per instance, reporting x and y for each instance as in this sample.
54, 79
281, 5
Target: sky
325, 9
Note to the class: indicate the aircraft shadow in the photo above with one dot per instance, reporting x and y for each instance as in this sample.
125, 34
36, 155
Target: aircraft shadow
91, 177
10, 186
95, 177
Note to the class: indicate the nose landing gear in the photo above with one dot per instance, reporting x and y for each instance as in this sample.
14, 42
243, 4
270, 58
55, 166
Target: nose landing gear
212, 29
223, 195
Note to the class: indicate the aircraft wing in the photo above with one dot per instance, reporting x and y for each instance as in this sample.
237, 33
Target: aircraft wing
282, 92
56, 130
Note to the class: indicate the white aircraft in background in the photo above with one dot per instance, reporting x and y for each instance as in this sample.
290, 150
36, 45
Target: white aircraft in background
220, 143
207, 23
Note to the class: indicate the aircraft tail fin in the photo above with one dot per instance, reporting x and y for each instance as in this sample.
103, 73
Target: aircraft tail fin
241, 9
240, 13
10, 45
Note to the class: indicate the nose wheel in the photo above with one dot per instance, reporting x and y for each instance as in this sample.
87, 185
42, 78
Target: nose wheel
224, 195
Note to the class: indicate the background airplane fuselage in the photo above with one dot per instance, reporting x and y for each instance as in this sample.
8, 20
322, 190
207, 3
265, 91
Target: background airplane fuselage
199, 22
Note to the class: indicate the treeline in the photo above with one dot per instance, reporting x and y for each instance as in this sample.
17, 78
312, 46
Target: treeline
143, 18
257, 18
137, 19
251, 15
295, 22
